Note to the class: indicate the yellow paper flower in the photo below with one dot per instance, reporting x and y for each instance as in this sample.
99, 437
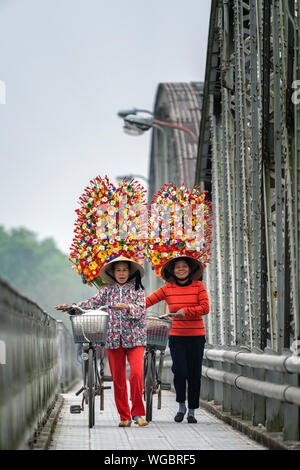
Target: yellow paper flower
92, 266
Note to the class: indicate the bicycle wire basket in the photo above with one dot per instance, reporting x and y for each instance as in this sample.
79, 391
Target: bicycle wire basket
90, 328
157, 331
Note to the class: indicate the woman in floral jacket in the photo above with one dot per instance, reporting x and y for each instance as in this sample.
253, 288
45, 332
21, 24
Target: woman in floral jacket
126, 334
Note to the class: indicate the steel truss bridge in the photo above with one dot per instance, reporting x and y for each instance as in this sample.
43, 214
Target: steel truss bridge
248, 116
249, 161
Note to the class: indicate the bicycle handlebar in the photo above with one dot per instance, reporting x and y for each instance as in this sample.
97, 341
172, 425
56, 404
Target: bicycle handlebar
166, 315
72, 309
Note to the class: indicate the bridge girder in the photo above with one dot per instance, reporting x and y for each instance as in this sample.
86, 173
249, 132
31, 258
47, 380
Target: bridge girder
249, 147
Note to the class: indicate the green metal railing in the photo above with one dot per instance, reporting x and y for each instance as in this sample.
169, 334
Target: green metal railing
249, 142
249, 147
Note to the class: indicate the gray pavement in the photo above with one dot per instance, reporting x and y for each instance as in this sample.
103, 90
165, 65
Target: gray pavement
210, 433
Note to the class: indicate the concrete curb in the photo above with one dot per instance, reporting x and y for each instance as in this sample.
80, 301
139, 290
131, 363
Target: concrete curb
43, 438
271, 440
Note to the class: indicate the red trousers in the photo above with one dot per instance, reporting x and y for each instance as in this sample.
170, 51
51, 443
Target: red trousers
117, 364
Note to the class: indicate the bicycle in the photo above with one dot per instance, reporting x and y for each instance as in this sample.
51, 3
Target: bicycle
90, 328
158, 328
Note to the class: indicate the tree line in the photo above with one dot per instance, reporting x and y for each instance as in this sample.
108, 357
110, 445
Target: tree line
40, 271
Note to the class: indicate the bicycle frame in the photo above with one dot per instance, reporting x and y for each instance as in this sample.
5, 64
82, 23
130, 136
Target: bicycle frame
99, 374
84, 389
93, 379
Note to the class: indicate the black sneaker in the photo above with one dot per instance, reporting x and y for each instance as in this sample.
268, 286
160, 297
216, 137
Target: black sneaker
179, 417
191, 419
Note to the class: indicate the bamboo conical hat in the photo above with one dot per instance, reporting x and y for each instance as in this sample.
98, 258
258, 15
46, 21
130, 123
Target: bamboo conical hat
108, 268
167, 269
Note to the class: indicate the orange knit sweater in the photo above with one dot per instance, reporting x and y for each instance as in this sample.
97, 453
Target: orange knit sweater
193, 298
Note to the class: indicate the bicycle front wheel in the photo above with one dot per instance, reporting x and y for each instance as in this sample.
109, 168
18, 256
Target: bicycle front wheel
149, 384
91, 388
159, 377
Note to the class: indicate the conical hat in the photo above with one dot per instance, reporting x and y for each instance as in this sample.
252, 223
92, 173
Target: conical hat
108, 268
167, 269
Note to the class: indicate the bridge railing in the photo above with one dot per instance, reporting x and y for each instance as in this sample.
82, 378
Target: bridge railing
37, 361
69, 365
261, 388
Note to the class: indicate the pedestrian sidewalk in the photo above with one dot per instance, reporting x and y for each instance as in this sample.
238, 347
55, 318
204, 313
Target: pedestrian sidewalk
162, 433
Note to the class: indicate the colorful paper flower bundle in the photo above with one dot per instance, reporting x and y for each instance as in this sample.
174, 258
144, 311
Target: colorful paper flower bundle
180, 224
110, 223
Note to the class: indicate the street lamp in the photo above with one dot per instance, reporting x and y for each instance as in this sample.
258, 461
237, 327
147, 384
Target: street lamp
124, 113
145, 123
136, 125
141, 123
132, 130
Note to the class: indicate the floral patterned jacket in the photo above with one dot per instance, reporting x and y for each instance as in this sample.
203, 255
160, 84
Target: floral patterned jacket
126, 328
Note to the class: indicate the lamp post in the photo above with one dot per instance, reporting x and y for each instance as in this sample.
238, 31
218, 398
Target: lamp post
136, 125
144, 124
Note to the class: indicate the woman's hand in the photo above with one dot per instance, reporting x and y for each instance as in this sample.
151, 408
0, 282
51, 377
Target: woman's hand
120, 306
170, 316
180, 313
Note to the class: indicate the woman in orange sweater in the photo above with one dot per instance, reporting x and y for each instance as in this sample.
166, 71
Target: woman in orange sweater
186, 296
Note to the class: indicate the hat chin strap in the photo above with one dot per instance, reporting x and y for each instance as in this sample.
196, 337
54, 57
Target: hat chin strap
138, 281
183, 282
111, 276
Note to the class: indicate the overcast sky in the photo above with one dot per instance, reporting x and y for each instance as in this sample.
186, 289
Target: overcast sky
68, 67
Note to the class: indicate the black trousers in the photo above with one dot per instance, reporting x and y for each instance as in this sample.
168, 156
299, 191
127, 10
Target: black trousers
187, 354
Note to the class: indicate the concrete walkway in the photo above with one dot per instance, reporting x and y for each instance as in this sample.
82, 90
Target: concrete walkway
210, 433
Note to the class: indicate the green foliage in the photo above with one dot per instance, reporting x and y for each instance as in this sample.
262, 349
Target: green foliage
40, 271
